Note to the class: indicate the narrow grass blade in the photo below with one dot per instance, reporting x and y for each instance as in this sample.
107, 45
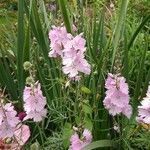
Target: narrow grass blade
43, 11
63, 7
119, 27
126, 59
27, 45
145, 20
98, 35
20, 46
146, 84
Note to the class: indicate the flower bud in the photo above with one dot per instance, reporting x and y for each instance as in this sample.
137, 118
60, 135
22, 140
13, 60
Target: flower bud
35, 146
27, 65
21, 115
29, 80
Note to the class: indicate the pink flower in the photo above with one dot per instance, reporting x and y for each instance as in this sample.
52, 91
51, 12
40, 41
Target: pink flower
6, 130
74, 59
71, 49
77, 143
78, 43
144, 109
76, 64
87, 136
37, 116
8, 120
117, 96
58, 37
22, 134
34, 103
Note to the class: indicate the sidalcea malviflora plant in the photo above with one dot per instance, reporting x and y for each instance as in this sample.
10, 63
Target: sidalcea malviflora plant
34, 103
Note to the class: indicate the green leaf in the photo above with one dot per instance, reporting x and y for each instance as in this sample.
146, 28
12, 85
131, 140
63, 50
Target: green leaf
77, 119
88, 123
145, 20
87, 109
67, 132
85, 90
98, 144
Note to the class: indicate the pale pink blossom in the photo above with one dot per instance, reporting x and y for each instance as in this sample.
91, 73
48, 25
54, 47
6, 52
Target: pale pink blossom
144, 109
58, 37
37, 116
34, 103
87, 136
6, 130
8, 120
76, 78
20, 137
117, 96
72, 66
77, 43
74, 58
72, 51
78, 143
22, 134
